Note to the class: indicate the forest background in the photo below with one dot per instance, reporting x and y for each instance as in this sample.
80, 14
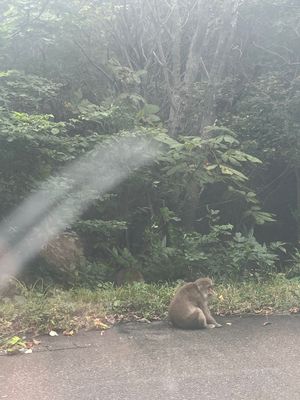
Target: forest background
215, 84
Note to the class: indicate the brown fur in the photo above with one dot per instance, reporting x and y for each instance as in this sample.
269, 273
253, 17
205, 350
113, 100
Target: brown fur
189, 307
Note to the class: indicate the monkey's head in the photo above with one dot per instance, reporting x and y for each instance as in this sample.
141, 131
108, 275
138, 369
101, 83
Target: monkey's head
205, 287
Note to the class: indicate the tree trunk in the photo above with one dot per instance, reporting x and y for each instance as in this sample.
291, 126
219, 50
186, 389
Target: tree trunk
216, 71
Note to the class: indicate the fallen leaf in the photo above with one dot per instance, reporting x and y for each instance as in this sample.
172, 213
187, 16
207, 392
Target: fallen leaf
221, 297
110, 319
99, 324
228, 323
53, 333
294, 310
25, 351
144, 320
36, 342
267, 323
68, 333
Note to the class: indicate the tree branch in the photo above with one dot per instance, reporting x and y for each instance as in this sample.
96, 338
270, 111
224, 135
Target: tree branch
274, 53
100, 69
44, 6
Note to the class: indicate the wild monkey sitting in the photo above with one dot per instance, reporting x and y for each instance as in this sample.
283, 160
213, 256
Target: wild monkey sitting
189, 307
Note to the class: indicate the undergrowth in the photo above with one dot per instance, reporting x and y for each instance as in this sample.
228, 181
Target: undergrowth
37, 311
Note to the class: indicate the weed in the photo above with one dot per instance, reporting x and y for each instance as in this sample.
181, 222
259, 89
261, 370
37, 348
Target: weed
39, 311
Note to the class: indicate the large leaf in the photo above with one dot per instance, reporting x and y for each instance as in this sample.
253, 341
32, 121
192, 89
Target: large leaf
149, 109
179, 167
233, 172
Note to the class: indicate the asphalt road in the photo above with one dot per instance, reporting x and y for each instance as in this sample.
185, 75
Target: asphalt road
247, 360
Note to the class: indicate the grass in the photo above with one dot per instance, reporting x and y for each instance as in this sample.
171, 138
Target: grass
278, 294
37, 311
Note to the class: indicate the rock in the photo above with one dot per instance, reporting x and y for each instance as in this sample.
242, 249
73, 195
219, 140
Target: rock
64, 253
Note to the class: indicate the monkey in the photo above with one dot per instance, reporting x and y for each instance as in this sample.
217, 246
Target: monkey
189, 307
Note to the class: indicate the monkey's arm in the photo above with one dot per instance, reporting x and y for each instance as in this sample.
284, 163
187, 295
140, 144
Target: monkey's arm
209, 318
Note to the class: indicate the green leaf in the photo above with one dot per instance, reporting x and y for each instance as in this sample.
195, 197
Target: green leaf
116, 303
178, 167
226, 170
150, 109
167, 140
229, 139
231, 171
234, 161
253, 159
154, 118
211, 167
14, 340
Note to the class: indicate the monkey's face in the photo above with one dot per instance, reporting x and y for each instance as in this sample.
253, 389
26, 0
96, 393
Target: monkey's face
205, 287
210, 290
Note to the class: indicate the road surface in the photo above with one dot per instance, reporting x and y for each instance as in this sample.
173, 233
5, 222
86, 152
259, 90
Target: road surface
136, 361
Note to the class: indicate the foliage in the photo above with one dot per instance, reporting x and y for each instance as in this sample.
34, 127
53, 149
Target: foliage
161, 262
225, 255
293, 266
105, 228
28, 93
214, 85
102, 236
36, 310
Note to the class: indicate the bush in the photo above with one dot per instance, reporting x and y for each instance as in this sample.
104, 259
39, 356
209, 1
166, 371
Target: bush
225, 255
161, 262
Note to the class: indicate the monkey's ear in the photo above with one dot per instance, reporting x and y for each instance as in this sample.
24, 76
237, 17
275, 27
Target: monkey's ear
199, 285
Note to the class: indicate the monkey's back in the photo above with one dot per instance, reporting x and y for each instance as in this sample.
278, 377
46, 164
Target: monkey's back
183, 306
